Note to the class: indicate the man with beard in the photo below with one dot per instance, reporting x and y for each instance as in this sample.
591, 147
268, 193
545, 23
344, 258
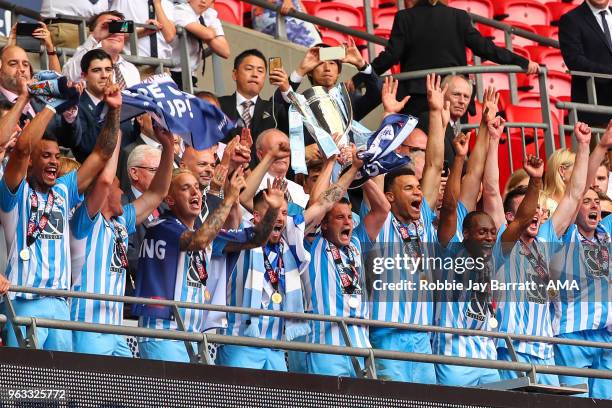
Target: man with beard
585, 313
35, 206
99, 242
174, 262
269, 277
527, 259
202, 164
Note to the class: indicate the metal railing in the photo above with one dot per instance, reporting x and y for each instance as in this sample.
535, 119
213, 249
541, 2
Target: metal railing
369, 354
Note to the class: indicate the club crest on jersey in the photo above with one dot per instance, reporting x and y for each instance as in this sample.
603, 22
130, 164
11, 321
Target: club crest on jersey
54, 228
193, 277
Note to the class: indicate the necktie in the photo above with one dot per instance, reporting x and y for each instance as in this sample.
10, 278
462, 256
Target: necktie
202, 49
204, 211
246, 113
606, 28
153, 38
119, 80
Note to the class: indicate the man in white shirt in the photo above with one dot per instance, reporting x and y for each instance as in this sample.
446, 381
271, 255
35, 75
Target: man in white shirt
65, 33
126, 73
200, 20
157, 12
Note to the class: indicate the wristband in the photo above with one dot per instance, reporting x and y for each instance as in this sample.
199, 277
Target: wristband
54, 52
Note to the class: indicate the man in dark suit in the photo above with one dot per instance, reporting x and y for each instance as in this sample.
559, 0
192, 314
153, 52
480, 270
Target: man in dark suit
433, 35
245, 106
15, 64
586, 45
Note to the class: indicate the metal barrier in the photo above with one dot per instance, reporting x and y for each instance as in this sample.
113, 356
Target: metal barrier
202, 339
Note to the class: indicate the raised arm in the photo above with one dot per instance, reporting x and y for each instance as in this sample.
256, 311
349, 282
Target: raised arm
323, 180
150, 199
19, 159
379, 208
448, 213
434, 151
315, 213
203, 236
274, 197
389, 97
107, 139
277, 152
568, 206
491, 196
168, 30
598, 154
476, 163
97, 196
524, 214
11, 118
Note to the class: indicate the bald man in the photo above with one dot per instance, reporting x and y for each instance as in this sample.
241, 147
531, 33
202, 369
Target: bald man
15, 64
202, 164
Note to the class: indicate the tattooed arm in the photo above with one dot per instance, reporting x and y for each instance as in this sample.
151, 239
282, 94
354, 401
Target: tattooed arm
274, 197
203, 236
315, 213
107, 139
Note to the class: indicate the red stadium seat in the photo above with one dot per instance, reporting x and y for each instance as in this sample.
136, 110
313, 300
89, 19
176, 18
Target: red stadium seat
498, 80
331, 41
383, 18
336, 12
528, 99
517, 49
558, 9
335, 35
354, 3
481, 7
559, 83
548, 56
227, 12
547, 31
517, 156
527, 11
498, 35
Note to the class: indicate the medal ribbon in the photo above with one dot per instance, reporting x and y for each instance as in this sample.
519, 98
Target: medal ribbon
34, 228
601, 247
539, 266
120, 246
349, 283
273, 275
200, 266
408, 240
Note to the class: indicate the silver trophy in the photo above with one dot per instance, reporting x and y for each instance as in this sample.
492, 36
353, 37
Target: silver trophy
325, 113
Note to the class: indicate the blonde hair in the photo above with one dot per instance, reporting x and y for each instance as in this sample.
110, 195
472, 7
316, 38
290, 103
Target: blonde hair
554, 185
66, 165
515, 180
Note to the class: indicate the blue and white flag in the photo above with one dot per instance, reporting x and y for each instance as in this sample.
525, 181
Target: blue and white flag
52, 89
380, 157
199, 123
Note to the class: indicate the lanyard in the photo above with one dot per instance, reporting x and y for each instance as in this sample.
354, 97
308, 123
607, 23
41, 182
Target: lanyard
601, 248
538, 264
273, 274
34, 228
412, 242
200, 264
349, 283
119, 245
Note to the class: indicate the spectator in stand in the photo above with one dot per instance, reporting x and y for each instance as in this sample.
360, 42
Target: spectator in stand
65, 33
327, 73
560, 167
246, 106
146, 136
298, 31
44, 35
200, 20
126, 73
586, 45
14, 67
209, 97
600, 184
96, 70
202, 164
151, 43
433, 35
